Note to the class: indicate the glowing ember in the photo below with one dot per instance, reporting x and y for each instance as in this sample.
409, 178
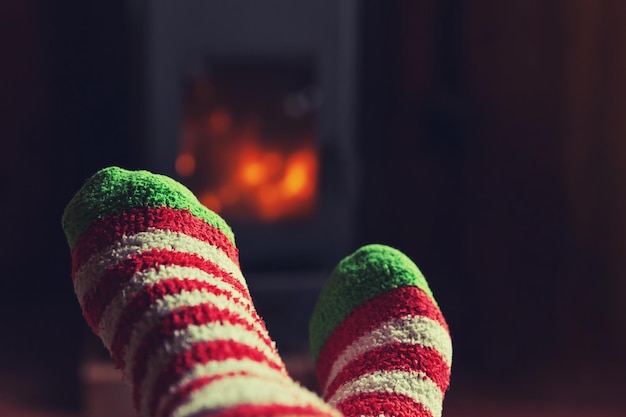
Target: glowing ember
242, 153
255, 180
185, 164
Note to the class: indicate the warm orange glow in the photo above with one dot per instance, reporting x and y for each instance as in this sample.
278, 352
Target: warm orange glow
241, 150
250, 170
220, 122
229, 194
300, 174
273, 163
270, 202
256, 166
211, 201
268, 184
185, 164
253, 174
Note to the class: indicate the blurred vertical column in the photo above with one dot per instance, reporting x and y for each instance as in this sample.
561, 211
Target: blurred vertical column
595, 167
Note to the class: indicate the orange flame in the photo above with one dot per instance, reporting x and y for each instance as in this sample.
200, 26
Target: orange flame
276, 184
244, 175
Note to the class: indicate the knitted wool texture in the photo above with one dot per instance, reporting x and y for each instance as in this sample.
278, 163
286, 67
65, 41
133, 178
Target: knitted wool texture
157, 276
379, 340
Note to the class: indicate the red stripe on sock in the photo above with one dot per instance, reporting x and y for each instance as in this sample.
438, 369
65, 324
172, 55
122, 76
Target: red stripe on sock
396, 357
382, 403
114, 278
200, 353
179, 320
400, 302
105, 231
183, 393
144, 299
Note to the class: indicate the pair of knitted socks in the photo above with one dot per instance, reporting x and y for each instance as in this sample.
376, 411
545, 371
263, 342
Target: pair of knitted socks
158, 279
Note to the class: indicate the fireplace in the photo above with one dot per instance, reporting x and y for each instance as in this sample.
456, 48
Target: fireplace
251, 105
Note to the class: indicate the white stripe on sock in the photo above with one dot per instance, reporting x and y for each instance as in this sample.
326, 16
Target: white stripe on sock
415, 385
168, 304
408, 329
90, 273
143, 279
214, 368
239, 390
184, 339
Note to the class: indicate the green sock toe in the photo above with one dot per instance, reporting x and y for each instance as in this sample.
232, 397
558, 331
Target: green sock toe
370, 271
112, 190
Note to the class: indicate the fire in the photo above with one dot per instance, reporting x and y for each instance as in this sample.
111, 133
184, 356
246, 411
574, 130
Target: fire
258, 179
300, 167
276, 184
243, 154
211, 200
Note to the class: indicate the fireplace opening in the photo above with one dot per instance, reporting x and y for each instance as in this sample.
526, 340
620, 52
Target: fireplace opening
252, 108
248, 143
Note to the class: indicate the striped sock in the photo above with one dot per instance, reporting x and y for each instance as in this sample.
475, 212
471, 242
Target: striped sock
157, 276
380, 343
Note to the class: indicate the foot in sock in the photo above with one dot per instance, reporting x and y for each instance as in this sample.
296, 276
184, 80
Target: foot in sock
379, 340
157, 276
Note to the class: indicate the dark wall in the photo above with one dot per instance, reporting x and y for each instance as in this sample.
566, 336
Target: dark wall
63, 90
492, 136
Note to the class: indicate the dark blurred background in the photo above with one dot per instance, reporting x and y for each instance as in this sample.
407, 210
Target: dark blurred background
490, 140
